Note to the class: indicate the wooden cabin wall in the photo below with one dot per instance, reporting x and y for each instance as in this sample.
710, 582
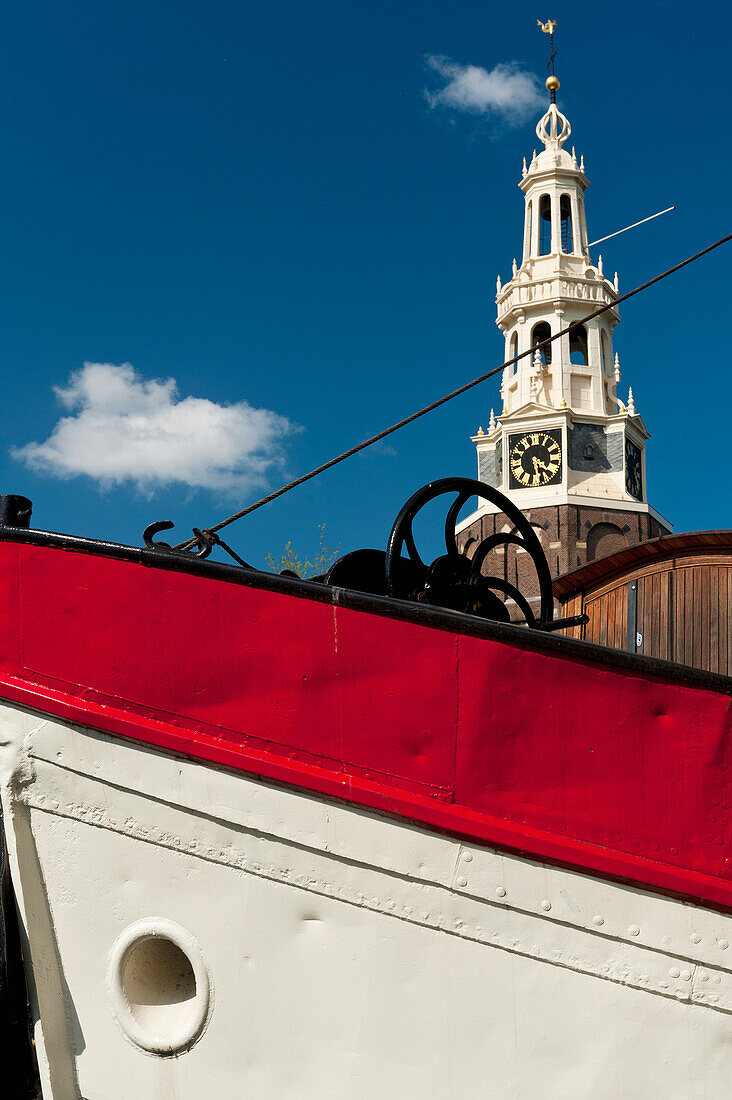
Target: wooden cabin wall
683, 611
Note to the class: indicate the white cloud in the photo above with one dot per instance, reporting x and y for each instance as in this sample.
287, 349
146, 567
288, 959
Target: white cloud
506, 91
123, 427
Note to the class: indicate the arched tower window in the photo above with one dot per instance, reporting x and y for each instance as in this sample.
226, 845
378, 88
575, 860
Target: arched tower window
512, 352
542, 332
565, 214
578, 345
605, 345
545, 225
583, 226
529, 227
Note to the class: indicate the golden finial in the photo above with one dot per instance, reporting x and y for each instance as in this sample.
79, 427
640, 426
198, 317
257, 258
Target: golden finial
548, 27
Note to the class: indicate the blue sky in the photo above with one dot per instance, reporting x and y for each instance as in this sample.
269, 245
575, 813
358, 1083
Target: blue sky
259, 202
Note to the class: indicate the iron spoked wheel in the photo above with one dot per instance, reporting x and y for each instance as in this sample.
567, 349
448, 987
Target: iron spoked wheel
455, 581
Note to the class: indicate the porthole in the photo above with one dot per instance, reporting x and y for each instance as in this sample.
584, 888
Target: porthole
159, 987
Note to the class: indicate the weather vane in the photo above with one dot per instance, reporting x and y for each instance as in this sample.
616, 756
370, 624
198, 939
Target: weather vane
552, 82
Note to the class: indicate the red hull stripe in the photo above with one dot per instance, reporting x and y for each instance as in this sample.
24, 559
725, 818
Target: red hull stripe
614, 774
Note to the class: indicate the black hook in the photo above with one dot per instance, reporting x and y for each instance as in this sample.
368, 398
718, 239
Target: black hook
204, 541
152, 529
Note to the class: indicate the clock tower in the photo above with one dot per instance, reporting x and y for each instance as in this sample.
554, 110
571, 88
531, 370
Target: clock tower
565, 447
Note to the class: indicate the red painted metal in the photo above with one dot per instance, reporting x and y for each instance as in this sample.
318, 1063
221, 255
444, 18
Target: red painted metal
614, 773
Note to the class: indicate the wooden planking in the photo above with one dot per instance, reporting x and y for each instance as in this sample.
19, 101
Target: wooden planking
700, 618
619, 599
684, 610
608, 615
602, 621
665, 646
573, 606
725, 623
643, 623
688, 619
590, 630
713, 619
591, 609
679, 603
655, 617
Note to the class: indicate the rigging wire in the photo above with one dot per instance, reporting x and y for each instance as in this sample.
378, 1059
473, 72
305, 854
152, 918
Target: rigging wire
447, 397
633, 226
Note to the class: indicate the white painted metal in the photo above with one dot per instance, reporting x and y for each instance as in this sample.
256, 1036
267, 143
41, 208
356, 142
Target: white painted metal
333, 952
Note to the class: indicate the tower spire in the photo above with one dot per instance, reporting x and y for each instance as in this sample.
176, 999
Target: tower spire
565, 448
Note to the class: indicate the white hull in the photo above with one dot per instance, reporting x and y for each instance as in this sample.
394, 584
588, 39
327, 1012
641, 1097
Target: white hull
335, 953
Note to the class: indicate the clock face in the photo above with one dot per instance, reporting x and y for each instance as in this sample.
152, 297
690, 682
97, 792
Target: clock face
633, 470
535, 459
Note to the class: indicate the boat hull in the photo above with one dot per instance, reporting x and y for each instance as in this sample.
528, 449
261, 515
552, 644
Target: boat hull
272, 839
335, 951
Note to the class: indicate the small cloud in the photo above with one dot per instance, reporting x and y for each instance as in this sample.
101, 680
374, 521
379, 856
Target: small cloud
385, 449
507, 92
124, 427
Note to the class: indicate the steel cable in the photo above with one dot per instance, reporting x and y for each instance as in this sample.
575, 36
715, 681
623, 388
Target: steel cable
448, 397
